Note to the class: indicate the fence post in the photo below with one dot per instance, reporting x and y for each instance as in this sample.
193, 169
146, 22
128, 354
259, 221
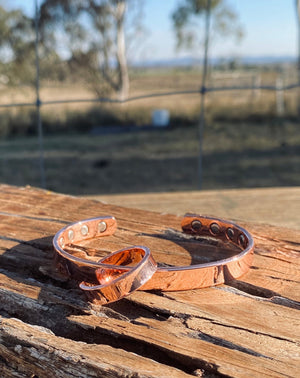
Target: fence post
279, 96
38, 101
297, 3
203, 92
256, 82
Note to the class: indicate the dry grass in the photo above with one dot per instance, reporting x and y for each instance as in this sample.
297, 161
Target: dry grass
184, 109
244, 145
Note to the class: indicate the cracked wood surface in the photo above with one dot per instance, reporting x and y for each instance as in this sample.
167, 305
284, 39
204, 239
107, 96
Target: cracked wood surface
249, 327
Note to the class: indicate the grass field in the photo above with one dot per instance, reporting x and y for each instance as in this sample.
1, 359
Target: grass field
244, 145
228, 106
244, 155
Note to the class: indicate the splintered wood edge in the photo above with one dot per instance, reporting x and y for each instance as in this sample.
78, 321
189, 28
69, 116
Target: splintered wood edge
274, 244
37, 351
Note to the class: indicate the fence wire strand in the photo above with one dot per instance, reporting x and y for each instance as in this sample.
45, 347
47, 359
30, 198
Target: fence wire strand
201, 91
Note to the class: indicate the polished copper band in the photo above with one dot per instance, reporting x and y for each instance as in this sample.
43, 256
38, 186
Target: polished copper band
211, 273
119, 273
169, 278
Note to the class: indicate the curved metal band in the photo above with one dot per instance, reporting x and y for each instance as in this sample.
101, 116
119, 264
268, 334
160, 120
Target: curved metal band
165, 278
119, 274
212, 273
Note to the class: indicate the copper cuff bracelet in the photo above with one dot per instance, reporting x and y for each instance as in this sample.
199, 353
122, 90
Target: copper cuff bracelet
122, 272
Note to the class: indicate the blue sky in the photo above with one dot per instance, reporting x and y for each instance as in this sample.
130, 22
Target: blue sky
269, 29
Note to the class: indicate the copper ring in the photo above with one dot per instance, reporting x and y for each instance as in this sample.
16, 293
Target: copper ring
119, 273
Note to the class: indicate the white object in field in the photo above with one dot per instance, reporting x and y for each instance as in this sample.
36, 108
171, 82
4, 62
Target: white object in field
4, 79
160, 117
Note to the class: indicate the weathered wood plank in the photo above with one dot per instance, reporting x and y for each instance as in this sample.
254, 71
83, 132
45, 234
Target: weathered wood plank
206, 338
35, 351
247, 328
195, 347
274, 206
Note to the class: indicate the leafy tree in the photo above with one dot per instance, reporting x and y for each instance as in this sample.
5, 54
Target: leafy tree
17, 50
188, 13
93, 35
16, 45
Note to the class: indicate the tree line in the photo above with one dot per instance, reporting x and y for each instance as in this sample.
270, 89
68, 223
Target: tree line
90, 39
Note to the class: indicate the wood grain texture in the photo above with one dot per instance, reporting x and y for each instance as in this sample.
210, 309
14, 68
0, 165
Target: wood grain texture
37, 350
274, 206
249, 327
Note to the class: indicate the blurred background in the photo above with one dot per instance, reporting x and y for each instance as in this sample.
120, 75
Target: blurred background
128, 96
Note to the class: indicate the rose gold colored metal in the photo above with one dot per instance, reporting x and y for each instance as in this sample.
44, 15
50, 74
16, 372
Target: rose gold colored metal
211, 273
115, 283
119, 273
116, 272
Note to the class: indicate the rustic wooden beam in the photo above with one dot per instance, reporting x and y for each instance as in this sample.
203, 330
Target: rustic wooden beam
274, 206
249, 327
30, 350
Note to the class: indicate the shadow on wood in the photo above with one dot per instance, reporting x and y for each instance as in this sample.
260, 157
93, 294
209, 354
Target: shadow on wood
48, 329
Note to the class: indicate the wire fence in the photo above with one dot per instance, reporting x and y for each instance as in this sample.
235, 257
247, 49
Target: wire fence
202, 91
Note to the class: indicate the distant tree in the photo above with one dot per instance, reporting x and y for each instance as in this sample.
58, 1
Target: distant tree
16, 45
17, 50
93, 34
188, 13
